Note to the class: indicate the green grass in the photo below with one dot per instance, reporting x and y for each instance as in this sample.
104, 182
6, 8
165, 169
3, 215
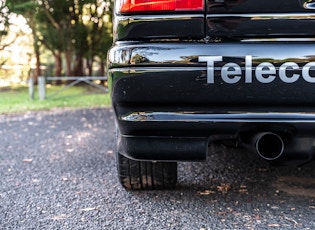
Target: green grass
16, 99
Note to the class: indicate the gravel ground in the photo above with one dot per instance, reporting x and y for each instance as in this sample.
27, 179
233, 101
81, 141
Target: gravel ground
58, 172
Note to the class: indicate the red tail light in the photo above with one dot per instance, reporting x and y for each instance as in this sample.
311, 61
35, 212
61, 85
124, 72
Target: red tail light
128, 6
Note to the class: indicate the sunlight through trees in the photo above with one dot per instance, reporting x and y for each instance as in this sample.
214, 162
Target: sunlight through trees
67, 37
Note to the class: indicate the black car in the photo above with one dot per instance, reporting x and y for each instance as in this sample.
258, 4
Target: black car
185, 73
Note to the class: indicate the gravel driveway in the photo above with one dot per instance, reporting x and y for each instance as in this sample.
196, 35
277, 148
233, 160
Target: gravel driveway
58, 172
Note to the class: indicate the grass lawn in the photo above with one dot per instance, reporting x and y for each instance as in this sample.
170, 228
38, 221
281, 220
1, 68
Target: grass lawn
16, 99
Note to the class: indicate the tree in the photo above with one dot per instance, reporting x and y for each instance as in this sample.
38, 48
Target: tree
81, 30
77, 32
55, 29
28, 9
4, 24
100, 33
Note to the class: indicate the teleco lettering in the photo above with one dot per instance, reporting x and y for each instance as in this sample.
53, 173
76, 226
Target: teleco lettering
265, 72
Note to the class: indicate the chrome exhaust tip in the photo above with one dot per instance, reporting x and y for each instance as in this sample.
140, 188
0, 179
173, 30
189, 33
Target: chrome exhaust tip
269, 146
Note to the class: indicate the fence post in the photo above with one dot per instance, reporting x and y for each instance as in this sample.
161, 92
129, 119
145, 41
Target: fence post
31, 87
41, 87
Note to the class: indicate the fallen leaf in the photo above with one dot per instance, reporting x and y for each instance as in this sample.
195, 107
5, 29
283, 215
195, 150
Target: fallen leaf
273, 225
110, 153
207, 192
88, 209
27, 160
224, 188
290, 219
61, 217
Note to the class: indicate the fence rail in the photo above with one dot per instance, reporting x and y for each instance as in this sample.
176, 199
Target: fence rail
75, 80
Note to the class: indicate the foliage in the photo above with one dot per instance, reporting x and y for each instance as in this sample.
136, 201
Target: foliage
76, 32
4, 23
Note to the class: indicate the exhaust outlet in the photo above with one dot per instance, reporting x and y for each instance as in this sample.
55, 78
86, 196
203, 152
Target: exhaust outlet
269, 146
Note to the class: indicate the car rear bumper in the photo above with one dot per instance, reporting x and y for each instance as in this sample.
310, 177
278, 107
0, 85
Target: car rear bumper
167, 110
185, 136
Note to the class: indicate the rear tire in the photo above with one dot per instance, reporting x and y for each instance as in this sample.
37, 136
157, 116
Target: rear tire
141, 175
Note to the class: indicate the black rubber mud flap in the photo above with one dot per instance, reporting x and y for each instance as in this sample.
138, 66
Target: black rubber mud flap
145, 175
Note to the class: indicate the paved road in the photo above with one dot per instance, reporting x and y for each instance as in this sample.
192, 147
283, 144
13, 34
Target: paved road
58, 172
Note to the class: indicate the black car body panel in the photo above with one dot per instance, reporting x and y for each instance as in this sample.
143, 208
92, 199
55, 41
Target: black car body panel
241, 26
252, 18
180, 80
147, 27
174, 69
254, 6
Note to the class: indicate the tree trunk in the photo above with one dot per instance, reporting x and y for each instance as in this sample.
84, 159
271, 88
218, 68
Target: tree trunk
89, 64
102, 68
38, 64
102, 71
36, 48
58, 60
78, 68
68, 55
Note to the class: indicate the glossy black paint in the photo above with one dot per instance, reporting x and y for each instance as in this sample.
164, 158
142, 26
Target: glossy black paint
228, 19
254, 6
165, 108
174, 70
158, 27
245, 26
160, 90
184, 54
164, 148
241, 19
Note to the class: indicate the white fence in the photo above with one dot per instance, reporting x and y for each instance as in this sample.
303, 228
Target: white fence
75, 80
